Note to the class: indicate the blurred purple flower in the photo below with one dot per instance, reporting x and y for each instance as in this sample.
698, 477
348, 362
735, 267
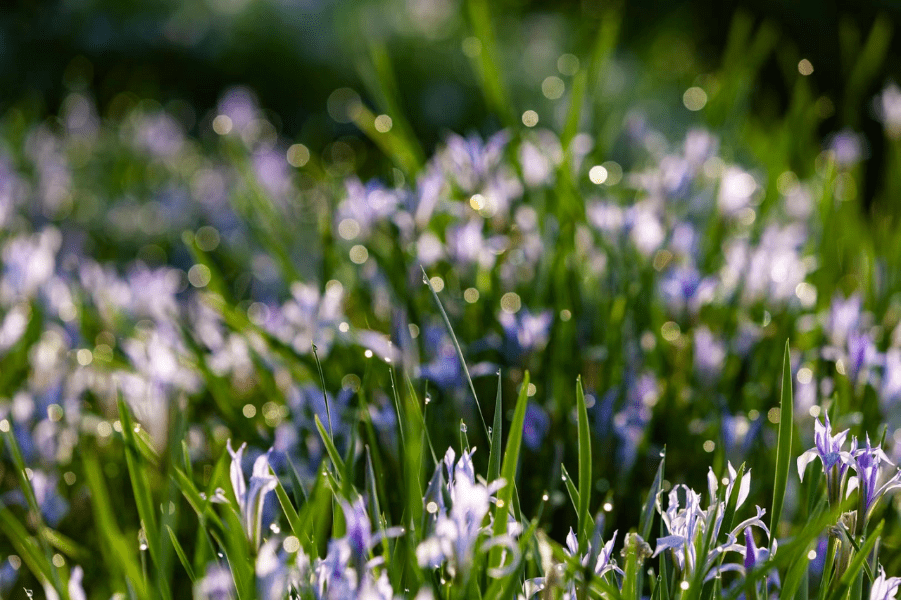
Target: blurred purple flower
536, 426
525, 333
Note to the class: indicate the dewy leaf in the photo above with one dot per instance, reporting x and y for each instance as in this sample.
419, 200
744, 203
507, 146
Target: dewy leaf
784, 444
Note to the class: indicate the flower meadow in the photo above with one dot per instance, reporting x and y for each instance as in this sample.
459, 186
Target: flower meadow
583, 353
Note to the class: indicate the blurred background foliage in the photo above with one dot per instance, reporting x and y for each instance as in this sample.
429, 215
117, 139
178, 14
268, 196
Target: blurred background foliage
295, 53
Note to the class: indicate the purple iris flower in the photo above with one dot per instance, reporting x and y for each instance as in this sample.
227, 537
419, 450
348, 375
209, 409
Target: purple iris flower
829, 451
865, 462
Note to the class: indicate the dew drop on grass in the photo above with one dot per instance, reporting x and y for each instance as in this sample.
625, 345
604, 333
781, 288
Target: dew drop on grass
463, 427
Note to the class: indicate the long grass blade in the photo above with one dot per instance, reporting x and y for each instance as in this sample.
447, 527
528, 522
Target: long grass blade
508, 468
585, 483
450, 329
494, 457
783, 445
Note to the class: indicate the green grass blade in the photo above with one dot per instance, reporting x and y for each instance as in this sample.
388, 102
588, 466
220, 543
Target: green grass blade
571, 488
26, 546
494, 458
181, 555
420, 415
508, 468
290, 513
585, 483
118, 553
450, 329
31, 500
784, 444
330, 446
795, 575
201, 506
646, 521
140, 483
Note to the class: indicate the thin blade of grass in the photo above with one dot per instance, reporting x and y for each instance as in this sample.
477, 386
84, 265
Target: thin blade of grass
508, 468
140, 484
494, 457
117, 553
571, 488
646, 521
181, 555
31, 500
288, 508
330, 446
450, 329
26, 546
783, 445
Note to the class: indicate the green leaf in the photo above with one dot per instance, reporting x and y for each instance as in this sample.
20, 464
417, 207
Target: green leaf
330, 446
140, 483
494, 457
181, 555
288, 508
646, 520
27, 547
585, 483
783, 445
508, 468
117, 552
201, 506
795, 574
571, 488
25, 483
450, 329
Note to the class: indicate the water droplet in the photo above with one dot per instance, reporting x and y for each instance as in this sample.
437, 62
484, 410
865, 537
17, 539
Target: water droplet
463, 427
545, 497
137, 428
564, 478
143, 546
498, 371
489, 431
425, 279
315, 348
428, 399
30, 593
